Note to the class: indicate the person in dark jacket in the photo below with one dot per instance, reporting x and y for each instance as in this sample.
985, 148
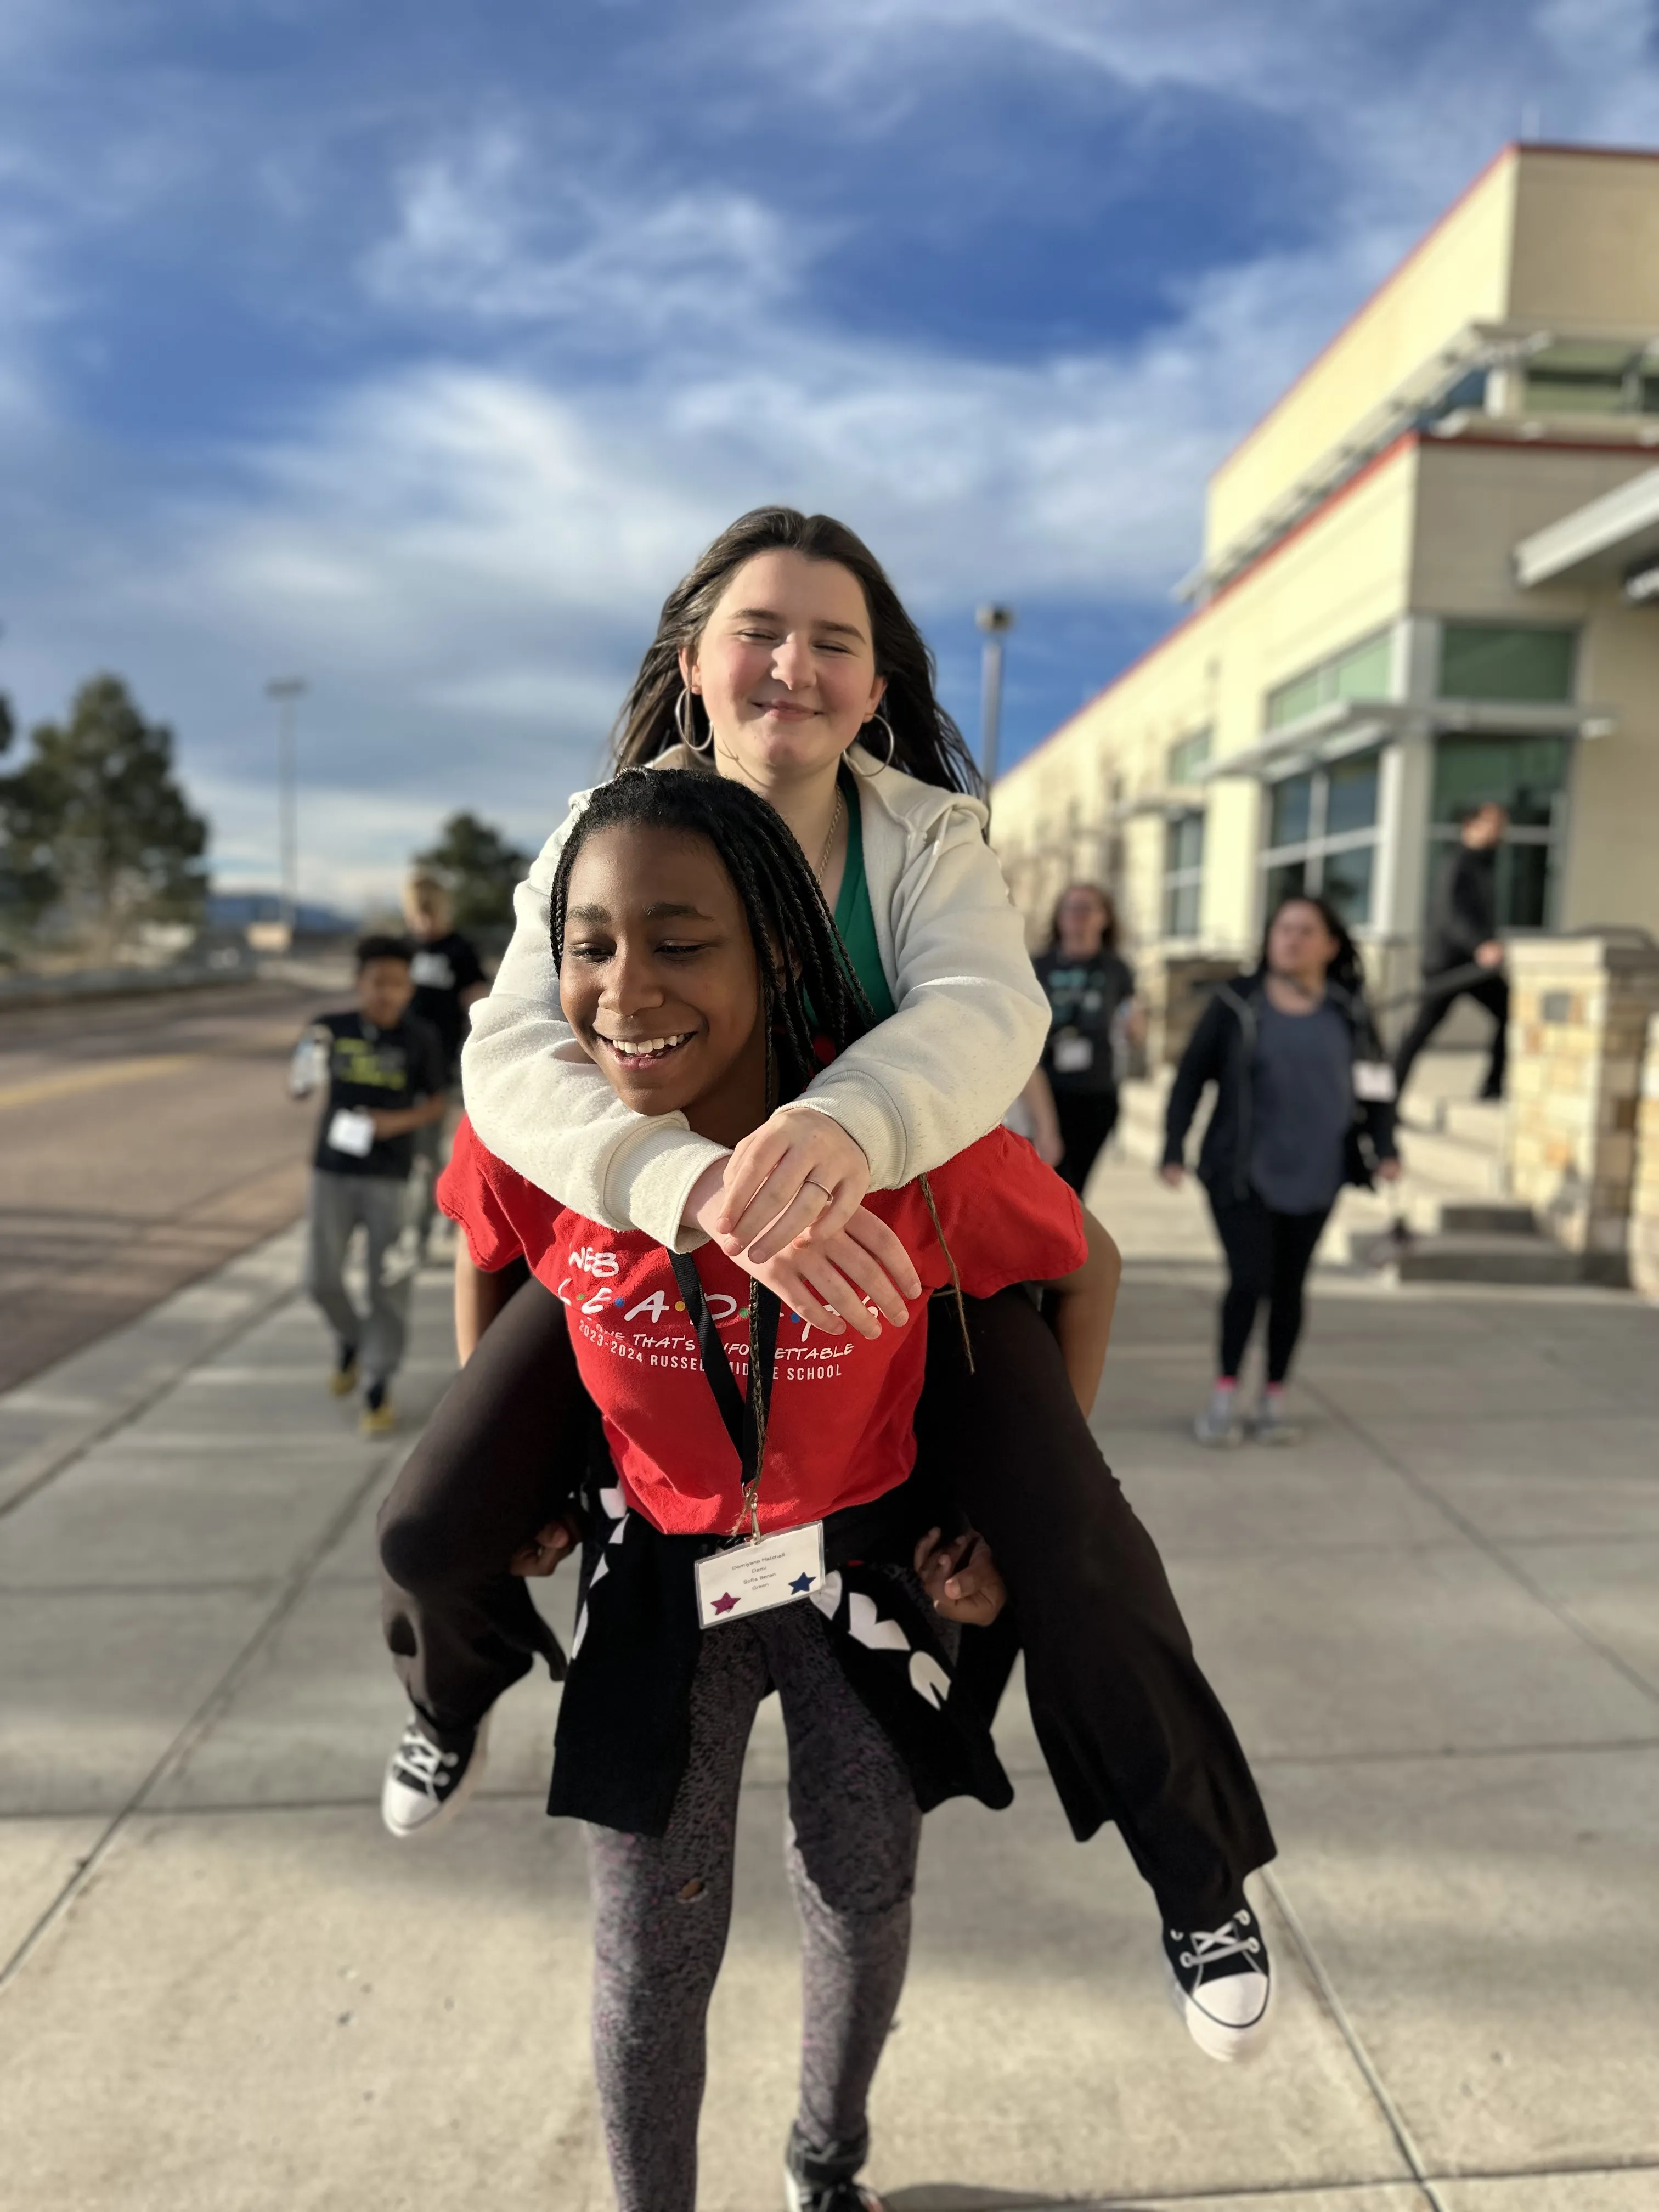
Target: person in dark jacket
1462, 953
1302, 1105
1091, 993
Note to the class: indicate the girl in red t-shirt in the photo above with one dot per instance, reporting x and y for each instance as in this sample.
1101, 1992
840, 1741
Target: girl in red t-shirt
699, 971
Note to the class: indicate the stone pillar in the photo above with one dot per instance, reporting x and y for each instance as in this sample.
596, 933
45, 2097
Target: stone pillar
1644, 1192
1578, 1026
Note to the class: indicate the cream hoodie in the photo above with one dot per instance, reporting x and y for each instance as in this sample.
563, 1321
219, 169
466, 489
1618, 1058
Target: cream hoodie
971, 1023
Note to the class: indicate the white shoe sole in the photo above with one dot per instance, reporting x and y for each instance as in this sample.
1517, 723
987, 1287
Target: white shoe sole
463, 1789
792, 2195
1228, 1440
1229, 2046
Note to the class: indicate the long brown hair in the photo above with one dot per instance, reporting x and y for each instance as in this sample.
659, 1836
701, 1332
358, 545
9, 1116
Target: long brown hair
927, 743
1107, 914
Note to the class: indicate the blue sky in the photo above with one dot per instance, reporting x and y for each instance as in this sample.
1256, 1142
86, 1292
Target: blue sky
419, 348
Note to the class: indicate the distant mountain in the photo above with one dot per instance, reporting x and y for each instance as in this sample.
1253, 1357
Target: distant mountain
235, 910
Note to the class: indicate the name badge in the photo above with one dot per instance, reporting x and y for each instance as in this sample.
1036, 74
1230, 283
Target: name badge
352, 1130
1374, 1084
1073, 1054
756, 1576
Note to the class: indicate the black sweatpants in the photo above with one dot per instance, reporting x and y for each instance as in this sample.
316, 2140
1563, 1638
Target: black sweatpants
1086, 1119
1130, 1728
1268, 1256
1491, 991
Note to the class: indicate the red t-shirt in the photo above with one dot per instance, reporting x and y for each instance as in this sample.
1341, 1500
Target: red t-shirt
839, 1428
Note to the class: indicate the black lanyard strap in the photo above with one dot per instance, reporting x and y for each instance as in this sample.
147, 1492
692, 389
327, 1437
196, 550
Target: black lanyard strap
745, 1417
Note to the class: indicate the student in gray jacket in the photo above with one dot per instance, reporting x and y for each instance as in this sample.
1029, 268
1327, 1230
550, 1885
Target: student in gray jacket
1303, 1105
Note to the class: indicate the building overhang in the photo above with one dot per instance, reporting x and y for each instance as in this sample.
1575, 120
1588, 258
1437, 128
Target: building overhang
1610, 536
1162, 805
1350, 725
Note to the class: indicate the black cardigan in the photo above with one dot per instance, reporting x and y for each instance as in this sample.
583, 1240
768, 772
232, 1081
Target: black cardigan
1219, 1051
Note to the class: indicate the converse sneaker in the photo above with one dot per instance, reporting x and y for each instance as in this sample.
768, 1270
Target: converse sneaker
823, 2182
1274, 1424
1221, 1984
1218, 1425
425, 1784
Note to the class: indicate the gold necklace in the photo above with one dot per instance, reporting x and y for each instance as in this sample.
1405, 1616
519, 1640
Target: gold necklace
829, 843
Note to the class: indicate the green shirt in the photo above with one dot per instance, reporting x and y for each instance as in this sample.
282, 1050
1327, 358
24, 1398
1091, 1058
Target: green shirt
855, 919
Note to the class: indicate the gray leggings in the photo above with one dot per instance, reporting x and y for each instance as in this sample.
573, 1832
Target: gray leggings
662, 1906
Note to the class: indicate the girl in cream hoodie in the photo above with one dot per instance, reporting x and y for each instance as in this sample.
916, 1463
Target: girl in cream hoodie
786, 659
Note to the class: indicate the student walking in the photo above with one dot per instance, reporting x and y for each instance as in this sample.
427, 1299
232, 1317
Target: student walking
385, 1080
1302, 1105
698, 969
786, 663
449, 981
1462, 953
1092, 1001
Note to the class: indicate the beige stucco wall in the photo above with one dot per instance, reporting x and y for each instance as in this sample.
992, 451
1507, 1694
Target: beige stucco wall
1586, 251
1457, 276
1561, 240
1341, 579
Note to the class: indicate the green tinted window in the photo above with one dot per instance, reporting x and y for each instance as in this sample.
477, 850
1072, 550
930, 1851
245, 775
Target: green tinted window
1351, 795
1292, 811
1528, 775
1499, 660
1293, 700
1361, 672
1189, 757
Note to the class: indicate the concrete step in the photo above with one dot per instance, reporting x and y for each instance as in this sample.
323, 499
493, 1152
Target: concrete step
1494, 1218
1500, 1259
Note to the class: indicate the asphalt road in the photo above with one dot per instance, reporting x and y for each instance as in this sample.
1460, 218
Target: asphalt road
142, 1143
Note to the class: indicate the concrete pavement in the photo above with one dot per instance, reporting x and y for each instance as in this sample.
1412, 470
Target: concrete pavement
142, 1143
229, 1991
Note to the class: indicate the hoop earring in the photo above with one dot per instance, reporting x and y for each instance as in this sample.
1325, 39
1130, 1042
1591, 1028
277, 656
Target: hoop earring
685, 723
892, 744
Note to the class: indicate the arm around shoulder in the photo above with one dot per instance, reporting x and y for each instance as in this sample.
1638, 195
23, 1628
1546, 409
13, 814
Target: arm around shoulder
971, 1017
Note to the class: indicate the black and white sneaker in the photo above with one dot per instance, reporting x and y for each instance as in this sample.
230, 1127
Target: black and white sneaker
427, 1782
1221, 1984
824, 2182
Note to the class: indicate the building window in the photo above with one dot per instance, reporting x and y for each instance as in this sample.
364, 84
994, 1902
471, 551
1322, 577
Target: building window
1183, 873
1528, 775
1591, 379
1321, 836
1507, 660
1187, 758
1359, 672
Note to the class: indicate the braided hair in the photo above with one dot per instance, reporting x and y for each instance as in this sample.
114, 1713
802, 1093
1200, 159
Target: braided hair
808, 987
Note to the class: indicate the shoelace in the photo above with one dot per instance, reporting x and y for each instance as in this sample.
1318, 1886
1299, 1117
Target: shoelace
421, 1761
1211, 1946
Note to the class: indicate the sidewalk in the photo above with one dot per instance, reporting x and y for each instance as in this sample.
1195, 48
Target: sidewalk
1435, 1624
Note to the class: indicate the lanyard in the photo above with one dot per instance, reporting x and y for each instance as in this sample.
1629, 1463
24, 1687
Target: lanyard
745, 1417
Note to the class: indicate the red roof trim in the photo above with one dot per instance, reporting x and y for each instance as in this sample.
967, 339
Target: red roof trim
1379, 461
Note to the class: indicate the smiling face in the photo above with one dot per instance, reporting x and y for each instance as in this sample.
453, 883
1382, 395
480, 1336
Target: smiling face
786, 669
659, 982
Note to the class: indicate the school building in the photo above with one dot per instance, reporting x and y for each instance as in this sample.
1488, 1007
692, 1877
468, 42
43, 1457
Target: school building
1430, 576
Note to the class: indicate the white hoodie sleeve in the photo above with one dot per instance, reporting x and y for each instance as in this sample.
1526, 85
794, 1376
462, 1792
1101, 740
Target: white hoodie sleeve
971, 1020
969, 1027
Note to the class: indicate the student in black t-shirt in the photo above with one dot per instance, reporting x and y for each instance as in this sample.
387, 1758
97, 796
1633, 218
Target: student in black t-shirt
448, 978
1091, 1001
1462, 953
387, 1082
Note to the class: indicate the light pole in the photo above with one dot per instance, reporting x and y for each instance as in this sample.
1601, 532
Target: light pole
995, 622
287, 691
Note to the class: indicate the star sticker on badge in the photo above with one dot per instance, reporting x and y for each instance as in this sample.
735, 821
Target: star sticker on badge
724, 1604
801, 1584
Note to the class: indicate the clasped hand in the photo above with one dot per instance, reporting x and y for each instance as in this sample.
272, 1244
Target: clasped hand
787, 1207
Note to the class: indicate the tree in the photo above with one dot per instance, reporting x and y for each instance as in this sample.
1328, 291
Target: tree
96, 821
481, 871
